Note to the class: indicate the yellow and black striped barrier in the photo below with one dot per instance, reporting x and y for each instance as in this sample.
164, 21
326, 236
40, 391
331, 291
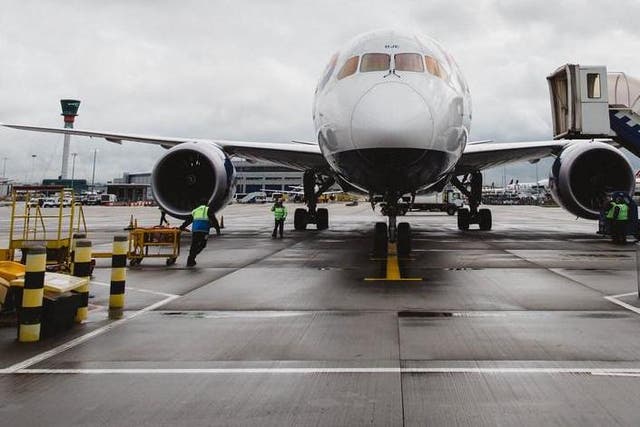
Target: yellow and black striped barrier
72, 249
82, 268
118, 276
30, 313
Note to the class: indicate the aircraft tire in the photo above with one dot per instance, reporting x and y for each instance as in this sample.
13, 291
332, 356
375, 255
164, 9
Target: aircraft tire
484, 219
464, 218
404, 238
322, 219
380, 239
300, 219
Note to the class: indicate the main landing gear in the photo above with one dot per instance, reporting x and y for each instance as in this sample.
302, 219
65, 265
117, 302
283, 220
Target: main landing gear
313, 215
398, 234
471, 186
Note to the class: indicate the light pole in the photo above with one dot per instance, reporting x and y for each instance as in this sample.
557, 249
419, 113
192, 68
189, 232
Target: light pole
73, 170
537, 183
93, 171
33, 166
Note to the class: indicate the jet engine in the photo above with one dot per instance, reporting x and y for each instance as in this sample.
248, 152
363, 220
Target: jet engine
192, 172
585, 173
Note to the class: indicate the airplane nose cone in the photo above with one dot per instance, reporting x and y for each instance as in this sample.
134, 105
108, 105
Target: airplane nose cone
391, 115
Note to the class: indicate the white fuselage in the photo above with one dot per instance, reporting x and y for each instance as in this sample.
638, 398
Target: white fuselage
392, 113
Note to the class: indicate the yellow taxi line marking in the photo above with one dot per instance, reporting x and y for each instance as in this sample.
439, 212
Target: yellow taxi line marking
393, 268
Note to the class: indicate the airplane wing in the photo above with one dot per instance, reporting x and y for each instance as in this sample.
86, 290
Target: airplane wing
296, 155
488, 155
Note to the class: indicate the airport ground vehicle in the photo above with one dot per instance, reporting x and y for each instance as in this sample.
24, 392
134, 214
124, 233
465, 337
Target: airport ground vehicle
105, 199
448, 201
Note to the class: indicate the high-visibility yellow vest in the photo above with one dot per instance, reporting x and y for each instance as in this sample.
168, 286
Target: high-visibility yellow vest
200, 217
280, 212
623, 213
201, 212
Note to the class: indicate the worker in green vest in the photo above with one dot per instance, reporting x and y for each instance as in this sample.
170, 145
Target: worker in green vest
279, 214
618, 215
202, 219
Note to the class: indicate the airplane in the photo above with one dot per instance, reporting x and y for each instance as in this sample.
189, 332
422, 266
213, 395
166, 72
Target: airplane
392, 115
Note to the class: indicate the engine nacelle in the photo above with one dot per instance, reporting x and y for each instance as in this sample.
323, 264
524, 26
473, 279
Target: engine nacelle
189, 173
585, 173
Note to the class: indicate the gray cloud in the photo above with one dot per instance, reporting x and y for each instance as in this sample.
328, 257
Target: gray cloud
247, 70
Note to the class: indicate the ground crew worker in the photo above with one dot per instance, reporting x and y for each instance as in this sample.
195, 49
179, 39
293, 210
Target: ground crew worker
618, 215
279, 214
202, 219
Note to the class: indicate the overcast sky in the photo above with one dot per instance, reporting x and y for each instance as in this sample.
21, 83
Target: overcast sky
247, 69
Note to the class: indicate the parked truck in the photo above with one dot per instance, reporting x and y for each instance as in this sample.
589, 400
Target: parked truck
448, 201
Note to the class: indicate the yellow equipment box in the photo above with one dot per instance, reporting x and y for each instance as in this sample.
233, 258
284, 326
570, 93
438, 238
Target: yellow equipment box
57, 283
10, 270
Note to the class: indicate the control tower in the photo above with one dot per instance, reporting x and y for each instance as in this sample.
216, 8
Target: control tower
69, 111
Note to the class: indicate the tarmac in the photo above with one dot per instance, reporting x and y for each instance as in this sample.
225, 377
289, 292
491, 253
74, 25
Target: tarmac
533, 323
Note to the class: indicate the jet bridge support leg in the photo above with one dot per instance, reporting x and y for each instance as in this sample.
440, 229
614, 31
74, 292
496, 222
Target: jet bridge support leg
471, 186
314, 183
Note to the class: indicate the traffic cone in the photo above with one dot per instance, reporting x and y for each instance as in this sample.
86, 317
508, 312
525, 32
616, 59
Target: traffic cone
131, 225
222, 222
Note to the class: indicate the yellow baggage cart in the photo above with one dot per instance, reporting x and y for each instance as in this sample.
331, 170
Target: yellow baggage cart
154, 242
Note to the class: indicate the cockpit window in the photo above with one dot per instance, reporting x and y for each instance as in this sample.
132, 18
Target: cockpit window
375, 62
433, 66
409, 62
349, 67
328, 71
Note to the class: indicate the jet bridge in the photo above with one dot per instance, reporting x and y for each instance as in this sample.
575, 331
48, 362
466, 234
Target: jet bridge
587, 102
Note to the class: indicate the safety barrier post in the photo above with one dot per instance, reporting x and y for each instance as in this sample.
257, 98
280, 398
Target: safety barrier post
82, 268
74, 238
118, 276
30, 313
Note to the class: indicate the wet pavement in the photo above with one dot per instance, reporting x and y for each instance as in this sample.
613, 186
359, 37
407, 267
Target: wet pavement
533, 323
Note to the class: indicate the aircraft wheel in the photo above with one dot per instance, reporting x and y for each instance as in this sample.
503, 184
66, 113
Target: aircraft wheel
404, 238
300, 219
484, 219
322, 219
464, 217
380, 239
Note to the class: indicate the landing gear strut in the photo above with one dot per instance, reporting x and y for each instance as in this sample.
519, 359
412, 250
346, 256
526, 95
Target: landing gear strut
312, 215
471, 186
399, 234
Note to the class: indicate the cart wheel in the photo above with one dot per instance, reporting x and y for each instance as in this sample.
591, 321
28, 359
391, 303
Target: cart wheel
171, 261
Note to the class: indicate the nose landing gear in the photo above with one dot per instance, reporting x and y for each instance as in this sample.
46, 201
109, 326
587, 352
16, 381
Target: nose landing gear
473, 215
400, 234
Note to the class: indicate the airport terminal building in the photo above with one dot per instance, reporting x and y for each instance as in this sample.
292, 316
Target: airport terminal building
251, 177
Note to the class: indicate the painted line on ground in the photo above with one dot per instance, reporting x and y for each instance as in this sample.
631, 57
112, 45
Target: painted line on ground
368, 370
83, 338
614, 299
146, 291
